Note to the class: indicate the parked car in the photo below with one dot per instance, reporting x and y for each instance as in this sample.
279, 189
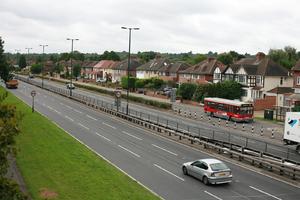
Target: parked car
70, 86
101, 80
209, 171
31, 76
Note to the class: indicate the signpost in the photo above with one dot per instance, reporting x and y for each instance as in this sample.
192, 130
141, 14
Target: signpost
33, 93
118, 99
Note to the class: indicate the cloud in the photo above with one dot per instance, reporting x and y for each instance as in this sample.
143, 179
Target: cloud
165, 25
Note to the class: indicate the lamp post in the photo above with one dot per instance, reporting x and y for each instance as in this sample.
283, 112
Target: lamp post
17, 55
72, 40
28, 49
43, 45
128, 67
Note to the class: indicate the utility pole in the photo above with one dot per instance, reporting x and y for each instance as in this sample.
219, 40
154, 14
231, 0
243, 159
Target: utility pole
43, 45
72, 40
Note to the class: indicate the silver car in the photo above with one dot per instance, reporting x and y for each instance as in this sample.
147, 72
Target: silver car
209, 171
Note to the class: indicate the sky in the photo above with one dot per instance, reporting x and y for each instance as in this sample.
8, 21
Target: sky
167, 26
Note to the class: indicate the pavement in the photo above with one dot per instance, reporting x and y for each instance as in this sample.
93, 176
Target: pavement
151, 160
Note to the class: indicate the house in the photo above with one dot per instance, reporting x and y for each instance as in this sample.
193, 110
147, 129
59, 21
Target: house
282, 95
87, 68
102, 69
207, 71
120, 69
171, 72
295, 98
151, 68
258, 75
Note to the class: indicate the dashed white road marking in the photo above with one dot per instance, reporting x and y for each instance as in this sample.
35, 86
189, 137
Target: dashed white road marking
69, 118
108, 125
102, 136
69, 107
132, 135
92, 117
77, 111
83, 126
165, 150
254, 188
57, 111
62, 104
50, 107
212, 195
168, 172
137, 155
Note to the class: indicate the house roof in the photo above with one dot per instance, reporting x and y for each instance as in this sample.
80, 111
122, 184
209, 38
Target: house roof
123, 65
281, 90
207, 67
261, 65
105, 64
178, 66
297, 66
89, 64
154, 65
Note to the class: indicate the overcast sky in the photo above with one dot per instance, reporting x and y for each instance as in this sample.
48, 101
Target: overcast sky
172, 26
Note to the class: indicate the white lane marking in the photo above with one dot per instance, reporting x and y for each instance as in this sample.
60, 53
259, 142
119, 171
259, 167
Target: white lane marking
168, 172
50, 107
44, 104
108, 125
264, 192
137, 155
165, 150
62, 104
69, 118
69, 107
102, 136
83, 126
212, 195
92, 117
77, 111
57, 111
132, 135
45, 96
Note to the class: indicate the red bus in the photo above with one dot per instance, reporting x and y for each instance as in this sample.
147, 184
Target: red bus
229, 109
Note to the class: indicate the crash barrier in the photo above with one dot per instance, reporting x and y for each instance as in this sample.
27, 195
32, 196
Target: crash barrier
183, 131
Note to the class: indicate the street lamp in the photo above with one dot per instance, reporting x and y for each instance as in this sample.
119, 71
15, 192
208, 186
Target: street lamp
128, 67
28, 49
43, 45
72, 40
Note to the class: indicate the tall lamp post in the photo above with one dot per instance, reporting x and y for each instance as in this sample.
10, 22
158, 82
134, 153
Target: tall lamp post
28, 49
128, 67
72, 40
43, 45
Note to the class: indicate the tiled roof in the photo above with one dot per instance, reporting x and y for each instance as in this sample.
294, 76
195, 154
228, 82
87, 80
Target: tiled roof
281, 90
154, 65
207, 67
105, 64
134, 63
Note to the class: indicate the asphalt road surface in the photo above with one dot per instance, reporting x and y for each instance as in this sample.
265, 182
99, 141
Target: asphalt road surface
153, 161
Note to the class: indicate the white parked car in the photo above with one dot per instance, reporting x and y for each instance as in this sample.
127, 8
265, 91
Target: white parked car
101, 80
209, 171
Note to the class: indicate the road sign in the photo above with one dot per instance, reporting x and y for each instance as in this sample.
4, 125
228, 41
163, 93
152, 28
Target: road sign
33, 93
118, 93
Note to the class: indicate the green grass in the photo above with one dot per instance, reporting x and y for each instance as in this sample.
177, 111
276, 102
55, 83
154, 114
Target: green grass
49, 158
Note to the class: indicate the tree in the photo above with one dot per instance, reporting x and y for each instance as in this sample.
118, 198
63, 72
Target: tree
187, 90
286, 57
110, 56
9, 129
4, 67
131, 82
146, 56
225, 58
36, 68
76, 70
22, 62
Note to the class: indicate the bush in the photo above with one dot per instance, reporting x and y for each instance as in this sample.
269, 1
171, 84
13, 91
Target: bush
187, 90
36, 68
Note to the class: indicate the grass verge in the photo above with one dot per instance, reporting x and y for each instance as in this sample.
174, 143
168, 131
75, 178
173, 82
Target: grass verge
55, 165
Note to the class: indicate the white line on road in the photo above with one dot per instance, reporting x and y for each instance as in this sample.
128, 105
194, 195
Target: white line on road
132, 135
50, 107
57, 111
165, 150
83, 126
265, 193
102, 136
69, 118
108, 125
45, 96
137, 155
213, 195
69, 107
92, 117
77, 111
62, 104
168, 172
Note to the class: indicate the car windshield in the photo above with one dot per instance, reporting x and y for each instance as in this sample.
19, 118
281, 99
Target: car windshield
218, 166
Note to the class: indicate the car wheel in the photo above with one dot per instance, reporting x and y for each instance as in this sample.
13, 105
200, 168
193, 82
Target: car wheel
184, 170
205, 180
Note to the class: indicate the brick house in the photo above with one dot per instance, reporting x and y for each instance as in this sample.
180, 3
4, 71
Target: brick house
120, 69
202, 72
102, 69
295, 98
87, 68
152, 68
171, 72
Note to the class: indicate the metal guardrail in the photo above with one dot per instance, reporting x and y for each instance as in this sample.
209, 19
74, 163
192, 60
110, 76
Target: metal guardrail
235, 143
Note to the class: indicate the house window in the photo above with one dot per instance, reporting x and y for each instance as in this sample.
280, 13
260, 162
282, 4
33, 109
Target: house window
217, 76
241, 79
281, 80
258, 80
298, 80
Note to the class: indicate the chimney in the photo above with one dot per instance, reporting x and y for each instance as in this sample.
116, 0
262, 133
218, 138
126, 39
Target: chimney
158, 56
260, 56
211, 59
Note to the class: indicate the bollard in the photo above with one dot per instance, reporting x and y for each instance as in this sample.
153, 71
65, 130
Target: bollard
195, 115
234, 125
179, 111
209, 119
243, 127
219, 122
185, 113
227, 123
272, 136
252, 130
201, 117
175, 109
262, 131
190, 114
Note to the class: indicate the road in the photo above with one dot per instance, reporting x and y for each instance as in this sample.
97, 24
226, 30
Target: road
203, 127
153, 161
